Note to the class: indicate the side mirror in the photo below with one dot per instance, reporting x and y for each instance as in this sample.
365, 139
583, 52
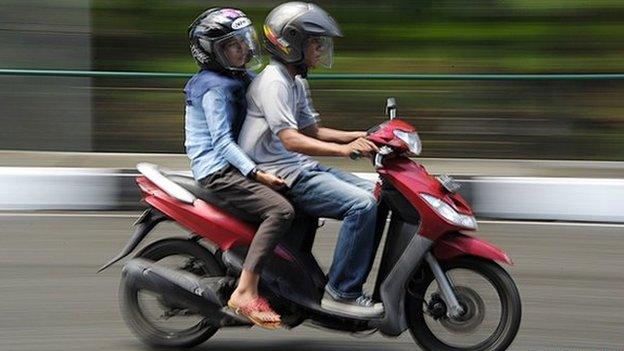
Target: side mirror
391, 108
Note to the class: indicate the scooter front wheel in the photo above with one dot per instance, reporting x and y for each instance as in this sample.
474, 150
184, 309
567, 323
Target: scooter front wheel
151, 317
486, 292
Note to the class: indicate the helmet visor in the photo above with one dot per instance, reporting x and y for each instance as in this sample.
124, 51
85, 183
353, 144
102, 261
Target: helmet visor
239, 50
320, 51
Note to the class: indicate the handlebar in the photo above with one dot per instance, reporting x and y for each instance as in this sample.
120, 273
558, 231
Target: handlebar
377, 160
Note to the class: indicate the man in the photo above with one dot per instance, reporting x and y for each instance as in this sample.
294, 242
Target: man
281, 131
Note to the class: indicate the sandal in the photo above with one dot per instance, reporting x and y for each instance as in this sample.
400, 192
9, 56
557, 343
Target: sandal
251, 309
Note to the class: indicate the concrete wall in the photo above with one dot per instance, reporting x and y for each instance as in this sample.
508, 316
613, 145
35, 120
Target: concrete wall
509, 198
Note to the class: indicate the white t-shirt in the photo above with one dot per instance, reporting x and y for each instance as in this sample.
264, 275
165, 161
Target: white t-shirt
276, 101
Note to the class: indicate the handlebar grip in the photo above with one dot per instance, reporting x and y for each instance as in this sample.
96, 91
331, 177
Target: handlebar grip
355, 155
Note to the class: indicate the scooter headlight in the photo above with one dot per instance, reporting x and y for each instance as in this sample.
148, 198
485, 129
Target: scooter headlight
411, 139
449, 213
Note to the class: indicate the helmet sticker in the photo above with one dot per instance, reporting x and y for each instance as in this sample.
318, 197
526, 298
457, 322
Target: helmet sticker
279, 42
240, 23
231, 13
283, 43
269, 34
219, 18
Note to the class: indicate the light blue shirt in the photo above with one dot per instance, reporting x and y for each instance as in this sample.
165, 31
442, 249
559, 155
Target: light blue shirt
215, 110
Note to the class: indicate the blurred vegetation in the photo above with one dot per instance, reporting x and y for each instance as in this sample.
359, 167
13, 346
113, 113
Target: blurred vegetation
503, 119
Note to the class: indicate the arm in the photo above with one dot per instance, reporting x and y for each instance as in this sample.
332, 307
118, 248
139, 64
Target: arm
281, 119
293, 140
215, 108
215, 103
296, 141
332, 135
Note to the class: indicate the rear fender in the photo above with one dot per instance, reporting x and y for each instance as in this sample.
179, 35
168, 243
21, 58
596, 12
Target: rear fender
458, 244
148, 220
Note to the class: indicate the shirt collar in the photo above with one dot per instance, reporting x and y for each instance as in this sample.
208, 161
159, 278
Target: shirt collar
283, 70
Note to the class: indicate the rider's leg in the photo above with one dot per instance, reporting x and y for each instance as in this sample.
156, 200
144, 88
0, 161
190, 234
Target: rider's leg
275, 213
323, 194
362, 183
349, 177
247, 288
279, 215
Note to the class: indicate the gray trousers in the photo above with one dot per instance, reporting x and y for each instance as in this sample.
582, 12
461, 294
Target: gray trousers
270, 209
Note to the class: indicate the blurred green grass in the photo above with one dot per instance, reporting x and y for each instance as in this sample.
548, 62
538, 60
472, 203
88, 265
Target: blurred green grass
546, 119
398, 36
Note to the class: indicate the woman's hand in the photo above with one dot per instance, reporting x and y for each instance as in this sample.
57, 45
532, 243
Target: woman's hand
270, 180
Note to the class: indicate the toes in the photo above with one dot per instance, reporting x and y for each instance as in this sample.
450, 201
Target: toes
268, 317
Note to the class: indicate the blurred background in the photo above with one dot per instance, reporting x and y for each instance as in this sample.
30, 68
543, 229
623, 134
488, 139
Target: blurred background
63, 214
538, 119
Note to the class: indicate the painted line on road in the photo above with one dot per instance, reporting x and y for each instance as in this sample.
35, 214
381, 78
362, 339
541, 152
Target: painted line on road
88, 215
135, 214
555, 224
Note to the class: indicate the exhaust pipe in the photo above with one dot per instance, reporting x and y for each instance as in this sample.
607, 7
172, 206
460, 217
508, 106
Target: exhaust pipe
204, 296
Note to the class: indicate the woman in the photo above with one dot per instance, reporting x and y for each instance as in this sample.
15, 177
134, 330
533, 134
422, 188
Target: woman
224, 44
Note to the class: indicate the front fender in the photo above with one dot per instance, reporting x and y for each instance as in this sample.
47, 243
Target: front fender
458, 244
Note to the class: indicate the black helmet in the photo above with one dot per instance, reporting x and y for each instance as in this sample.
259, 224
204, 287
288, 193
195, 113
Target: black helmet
289, 27
216, 30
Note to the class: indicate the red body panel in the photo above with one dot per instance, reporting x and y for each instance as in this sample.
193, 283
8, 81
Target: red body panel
411, 178
201, 217
408, 177
385, 135
457, 244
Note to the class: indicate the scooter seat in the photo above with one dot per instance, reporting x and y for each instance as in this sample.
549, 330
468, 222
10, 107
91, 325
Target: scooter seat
190, 184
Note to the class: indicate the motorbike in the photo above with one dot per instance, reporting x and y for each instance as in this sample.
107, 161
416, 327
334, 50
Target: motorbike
443, 285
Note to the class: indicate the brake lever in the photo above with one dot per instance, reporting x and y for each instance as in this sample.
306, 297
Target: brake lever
377, 160
383, 151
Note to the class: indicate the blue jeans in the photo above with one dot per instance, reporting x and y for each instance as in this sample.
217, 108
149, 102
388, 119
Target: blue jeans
332, 193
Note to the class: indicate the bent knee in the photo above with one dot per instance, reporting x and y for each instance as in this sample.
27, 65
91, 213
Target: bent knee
365, 203
284, 212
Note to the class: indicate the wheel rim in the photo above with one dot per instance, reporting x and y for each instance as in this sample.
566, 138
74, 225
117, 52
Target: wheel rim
168, 319
474, 312
485, 312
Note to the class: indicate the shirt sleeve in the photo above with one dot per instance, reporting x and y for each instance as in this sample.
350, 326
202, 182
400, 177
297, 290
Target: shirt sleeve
215, 104
307, 114
277, 109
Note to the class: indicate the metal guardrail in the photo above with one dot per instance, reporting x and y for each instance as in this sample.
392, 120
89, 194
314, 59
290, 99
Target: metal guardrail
324, 76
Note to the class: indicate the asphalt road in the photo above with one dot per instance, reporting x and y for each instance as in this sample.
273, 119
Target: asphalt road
571, 279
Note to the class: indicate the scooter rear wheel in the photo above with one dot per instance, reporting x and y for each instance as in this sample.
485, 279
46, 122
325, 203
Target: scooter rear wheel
136, 304
487, 291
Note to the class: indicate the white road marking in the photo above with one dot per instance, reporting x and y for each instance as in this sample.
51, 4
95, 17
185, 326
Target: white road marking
136, 214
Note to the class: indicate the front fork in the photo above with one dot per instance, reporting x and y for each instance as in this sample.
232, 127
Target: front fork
445, 285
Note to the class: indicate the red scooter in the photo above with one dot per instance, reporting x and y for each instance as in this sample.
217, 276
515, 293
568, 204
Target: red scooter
445, 286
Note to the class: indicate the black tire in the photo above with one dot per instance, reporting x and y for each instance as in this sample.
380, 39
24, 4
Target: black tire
511, 310
134, 316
